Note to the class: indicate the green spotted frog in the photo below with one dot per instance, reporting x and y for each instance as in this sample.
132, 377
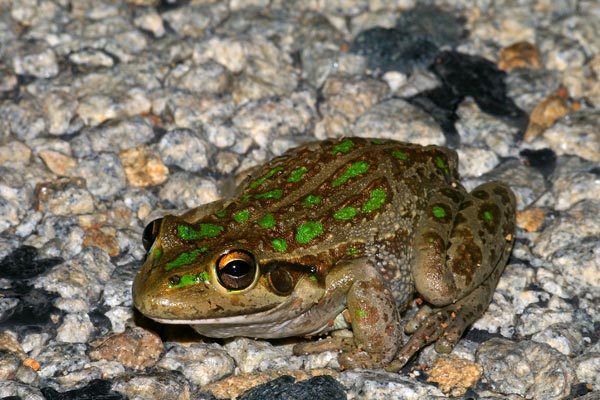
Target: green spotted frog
335, 234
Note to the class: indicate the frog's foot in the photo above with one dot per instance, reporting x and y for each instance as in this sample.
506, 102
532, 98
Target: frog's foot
351, 357
444, 326
334, 343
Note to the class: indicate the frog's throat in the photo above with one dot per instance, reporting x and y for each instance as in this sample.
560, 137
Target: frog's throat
305, 312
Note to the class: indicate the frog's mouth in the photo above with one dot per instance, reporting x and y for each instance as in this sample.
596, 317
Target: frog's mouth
304, 312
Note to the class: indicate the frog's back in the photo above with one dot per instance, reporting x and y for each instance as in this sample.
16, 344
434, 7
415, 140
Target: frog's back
341, 196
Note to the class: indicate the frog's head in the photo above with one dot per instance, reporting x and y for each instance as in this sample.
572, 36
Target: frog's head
194, 274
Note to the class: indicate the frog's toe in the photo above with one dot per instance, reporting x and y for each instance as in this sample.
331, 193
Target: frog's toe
417, 320
362, 359
322, 345
433, 326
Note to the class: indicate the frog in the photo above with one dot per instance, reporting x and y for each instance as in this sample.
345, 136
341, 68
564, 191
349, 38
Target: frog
340, 234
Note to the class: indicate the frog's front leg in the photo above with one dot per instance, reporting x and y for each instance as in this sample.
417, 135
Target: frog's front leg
373, 313
461, 248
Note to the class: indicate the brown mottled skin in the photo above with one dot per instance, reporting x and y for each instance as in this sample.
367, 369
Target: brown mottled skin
392, 221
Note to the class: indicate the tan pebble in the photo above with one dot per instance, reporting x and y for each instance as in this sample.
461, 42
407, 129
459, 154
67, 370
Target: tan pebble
546, 113
135, 348
143, 167
530, 219
104, 238
454, 375
520, 55
57, 162
14, 152
10, 343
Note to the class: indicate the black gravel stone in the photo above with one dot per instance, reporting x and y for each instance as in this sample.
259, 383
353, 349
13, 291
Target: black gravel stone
286, 388
23, 263
393, 50
98, 389
441, 103
33, 309
543, 160
474, 76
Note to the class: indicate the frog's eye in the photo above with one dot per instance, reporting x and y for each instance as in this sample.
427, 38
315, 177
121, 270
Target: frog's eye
150, 233
281, 281
236, 270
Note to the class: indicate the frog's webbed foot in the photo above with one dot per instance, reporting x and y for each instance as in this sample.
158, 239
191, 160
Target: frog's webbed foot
351, 356
444, 326
333, 343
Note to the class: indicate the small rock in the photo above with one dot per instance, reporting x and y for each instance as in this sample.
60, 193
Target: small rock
520, 55
76, 328
150, 20
185, 149
319, 387
454, 375
235, 385
9, 364
530, 219
59, 108
9, 343
587, 367
14, 152
543, 116
135, 348
103, 174
64, 197
159, 384
103, 238
57, 162
199, 363
526, 368
143, 167
92, 58
36, 59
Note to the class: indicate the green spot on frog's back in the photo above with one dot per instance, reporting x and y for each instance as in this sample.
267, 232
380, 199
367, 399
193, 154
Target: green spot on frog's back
360, 313
353, 251
220, 214
307, 231
206, 231
438, 211
441, 164
488, 215
400, 155
266, 221
241, 216
354, 170
157, 253
279, 244
266, 176
376, 200
296, 175
311, 200
343, 147
345, 213
272, 194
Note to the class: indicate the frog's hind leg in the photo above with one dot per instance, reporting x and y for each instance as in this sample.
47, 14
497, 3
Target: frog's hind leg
462, 245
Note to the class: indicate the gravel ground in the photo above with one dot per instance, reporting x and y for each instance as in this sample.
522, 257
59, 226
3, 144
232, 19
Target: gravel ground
112, 111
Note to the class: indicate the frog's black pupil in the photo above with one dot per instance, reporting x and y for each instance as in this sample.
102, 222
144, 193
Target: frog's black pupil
237, 268
150, 233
